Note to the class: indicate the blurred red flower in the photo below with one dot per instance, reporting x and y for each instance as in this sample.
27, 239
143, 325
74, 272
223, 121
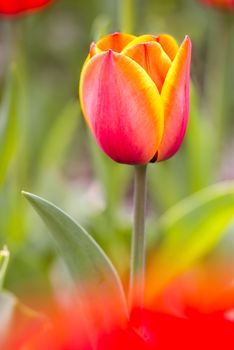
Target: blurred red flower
146, 330
192, 323
16, 7
224, 4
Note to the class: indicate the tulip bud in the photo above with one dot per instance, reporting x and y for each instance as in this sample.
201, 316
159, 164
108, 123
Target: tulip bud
223, 4
134, 94
16, 7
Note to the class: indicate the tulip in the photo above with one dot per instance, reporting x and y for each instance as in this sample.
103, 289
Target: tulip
224, 4
16, 7
146, 330
134, 94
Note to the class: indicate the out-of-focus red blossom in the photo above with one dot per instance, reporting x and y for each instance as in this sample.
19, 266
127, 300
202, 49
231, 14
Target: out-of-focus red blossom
195, 311
213, 331
19, 324
17, 7
181, 326
206, 288
146, 330
224, 4
202, 302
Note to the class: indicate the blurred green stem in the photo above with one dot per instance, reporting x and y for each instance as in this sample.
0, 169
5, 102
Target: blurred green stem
216, 68
137, 269
126, 15
4, 260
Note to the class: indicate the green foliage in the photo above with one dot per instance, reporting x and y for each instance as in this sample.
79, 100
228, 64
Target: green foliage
43, 150
86, 261
190, 230
9, 120
113, 177
55, 146
199, 153
16, 320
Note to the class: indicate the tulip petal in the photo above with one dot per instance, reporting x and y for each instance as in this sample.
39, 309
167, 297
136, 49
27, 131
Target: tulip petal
122, 107
140, 39
175, 97
115, 42
93, 50
152, 58
168, 44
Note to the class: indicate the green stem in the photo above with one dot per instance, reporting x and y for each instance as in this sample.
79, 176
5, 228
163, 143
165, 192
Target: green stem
216, 68
126, 15
4, 260
137, 269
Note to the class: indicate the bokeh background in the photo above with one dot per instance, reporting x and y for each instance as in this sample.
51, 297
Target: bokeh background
46, 148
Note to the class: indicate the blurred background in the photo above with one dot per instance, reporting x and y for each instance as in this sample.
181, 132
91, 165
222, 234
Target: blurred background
46, 148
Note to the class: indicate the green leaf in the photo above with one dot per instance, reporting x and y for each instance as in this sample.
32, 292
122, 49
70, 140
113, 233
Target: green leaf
85, 259
189, 231
8, 123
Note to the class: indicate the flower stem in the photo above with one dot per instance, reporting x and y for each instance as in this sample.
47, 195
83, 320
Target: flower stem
4, 260
137, 269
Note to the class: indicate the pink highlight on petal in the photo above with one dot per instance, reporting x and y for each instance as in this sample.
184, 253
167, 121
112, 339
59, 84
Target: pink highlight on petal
92, 49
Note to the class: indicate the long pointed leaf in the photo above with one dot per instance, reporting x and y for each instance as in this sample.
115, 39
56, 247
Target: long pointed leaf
84, 257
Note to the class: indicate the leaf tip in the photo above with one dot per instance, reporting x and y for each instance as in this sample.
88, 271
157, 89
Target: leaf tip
27, 195
4, 252
31, 198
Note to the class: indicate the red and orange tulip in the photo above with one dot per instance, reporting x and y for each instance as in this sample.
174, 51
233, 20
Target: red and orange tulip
16, 7
225, 4
181, 327
134, 93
